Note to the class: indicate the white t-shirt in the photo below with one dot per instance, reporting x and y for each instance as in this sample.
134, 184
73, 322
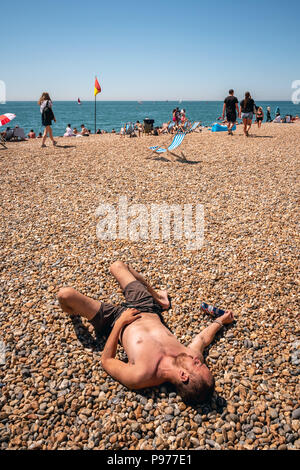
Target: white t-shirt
69, 132
44, 104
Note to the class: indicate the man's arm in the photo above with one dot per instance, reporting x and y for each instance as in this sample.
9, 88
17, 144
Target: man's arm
127, 374
205, 338
223, 112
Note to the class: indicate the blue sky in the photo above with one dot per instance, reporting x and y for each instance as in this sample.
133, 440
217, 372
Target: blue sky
157, 50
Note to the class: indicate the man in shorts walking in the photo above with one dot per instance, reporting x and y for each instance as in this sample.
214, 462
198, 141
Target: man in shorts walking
231, 107
154, 354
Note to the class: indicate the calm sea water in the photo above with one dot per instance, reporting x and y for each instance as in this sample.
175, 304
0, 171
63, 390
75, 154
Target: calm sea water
113, 114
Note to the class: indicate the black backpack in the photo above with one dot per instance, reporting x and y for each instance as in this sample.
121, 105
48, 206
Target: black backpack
48, 113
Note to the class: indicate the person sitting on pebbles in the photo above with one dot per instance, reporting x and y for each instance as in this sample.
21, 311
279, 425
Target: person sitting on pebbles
154, 354
84, 131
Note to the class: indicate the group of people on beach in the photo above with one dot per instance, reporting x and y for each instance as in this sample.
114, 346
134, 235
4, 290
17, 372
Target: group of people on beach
15, 134
74, 132
246, 111
179, 117
179, 122
32, 135
138, 129
232, 109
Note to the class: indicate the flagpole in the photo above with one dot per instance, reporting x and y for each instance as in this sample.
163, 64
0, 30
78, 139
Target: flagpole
95, 114
95, 108
97, 90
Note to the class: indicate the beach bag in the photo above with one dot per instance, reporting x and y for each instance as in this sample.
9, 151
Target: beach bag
48, 113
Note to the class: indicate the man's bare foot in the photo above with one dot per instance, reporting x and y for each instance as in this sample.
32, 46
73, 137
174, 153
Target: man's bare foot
163, 299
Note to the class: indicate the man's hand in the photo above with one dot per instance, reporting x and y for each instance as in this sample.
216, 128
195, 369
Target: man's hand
128, 316
227, 317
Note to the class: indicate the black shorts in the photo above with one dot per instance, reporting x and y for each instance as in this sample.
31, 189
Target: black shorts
231, 117
137, 296
46, 121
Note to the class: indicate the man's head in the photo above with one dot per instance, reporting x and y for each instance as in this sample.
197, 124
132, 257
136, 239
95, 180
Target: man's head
231, 91
193, 379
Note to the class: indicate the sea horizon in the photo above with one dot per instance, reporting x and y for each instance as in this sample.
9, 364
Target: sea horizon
133, 101
113, 114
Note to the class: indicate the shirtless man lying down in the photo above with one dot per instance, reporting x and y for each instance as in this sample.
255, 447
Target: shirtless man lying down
154, 354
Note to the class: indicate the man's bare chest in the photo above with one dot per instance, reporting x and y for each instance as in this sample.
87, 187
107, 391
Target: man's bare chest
147, 339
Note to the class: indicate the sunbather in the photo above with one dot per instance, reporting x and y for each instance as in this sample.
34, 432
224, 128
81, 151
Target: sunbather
164, 128
155, 355
84, 131
8, 134
31, 134
69, 131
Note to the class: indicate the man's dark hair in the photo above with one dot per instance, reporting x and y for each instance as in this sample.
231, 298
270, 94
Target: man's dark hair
231, 92
196, 389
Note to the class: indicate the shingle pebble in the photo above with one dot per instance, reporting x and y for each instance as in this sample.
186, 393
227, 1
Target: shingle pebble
54, 392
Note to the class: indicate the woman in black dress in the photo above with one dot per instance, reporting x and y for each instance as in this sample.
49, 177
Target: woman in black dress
47, 117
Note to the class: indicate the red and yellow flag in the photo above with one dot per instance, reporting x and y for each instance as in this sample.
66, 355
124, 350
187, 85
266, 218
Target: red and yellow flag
97, 88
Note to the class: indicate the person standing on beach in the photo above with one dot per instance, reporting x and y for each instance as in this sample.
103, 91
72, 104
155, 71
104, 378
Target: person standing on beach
246, 112
269, 119
174, 119
232, 110
45, 104
259, 116
178, 116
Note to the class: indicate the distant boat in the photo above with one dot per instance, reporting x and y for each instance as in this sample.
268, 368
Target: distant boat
140, 102
78, 101
180, 101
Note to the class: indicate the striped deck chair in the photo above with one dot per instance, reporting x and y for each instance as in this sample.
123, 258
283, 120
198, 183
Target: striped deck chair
184, 127
2, 142
171, 127
195, 126
178, 138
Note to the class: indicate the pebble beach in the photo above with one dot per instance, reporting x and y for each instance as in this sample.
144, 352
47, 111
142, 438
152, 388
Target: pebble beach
54, 393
